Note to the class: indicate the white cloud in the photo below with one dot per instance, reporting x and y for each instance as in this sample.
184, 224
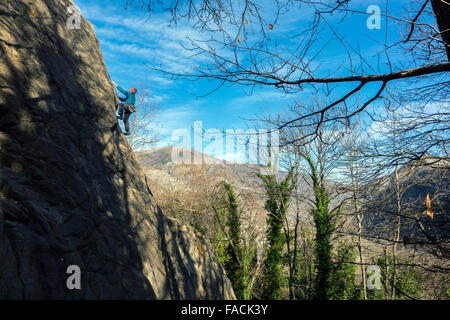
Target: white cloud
178, 117
149, 39
155, 99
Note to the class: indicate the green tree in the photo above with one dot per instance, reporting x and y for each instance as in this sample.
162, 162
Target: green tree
342, 276
304, 280
219, 238
235, 253
278, 195
233, 250
325, 225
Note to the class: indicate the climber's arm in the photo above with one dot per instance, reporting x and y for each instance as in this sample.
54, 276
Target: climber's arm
123, 91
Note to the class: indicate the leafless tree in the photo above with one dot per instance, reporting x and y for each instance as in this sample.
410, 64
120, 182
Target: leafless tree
143, 134
356, 173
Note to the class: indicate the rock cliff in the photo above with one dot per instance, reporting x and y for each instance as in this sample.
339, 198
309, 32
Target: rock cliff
71, 190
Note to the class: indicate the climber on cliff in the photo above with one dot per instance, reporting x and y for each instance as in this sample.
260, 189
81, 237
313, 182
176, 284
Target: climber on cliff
126, 106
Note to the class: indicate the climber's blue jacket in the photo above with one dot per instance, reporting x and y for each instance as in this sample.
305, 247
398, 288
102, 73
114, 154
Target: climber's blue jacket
130, 98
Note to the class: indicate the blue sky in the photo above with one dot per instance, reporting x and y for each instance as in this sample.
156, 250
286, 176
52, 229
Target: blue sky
130, 40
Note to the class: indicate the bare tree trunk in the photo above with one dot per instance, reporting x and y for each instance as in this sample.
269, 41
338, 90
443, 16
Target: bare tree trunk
397, 234
287, 234
441, 11
397, 225
295, 253
289, 254
361, 261
358, 217
386, 274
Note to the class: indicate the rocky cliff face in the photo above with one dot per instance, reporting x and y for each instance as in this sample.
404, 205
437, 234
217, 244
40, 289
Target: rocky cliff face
71, 190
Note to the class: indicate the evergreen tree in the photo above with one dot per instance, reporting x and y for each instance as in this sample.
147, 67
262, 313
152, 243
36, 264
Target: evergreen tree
304, 280
219, 238
278, 195
233, 250
323, 232
342, 276
325, 223
237, 255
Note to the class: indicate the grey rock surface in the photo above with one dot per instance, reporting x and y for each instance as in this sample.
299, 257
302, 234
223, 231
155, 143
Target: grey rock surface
71, 190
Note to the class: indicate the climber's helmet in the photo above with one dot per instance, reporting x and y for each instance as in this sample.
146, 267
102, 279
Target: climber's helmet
133, 90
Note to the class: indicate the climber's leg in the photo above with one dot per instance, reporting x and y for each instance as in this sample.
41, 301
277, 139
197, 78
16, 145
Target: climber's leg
121, 111
127, 122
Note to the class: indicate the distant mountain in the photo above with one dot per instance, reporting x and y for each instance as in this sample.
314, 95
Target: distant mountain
158, 157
